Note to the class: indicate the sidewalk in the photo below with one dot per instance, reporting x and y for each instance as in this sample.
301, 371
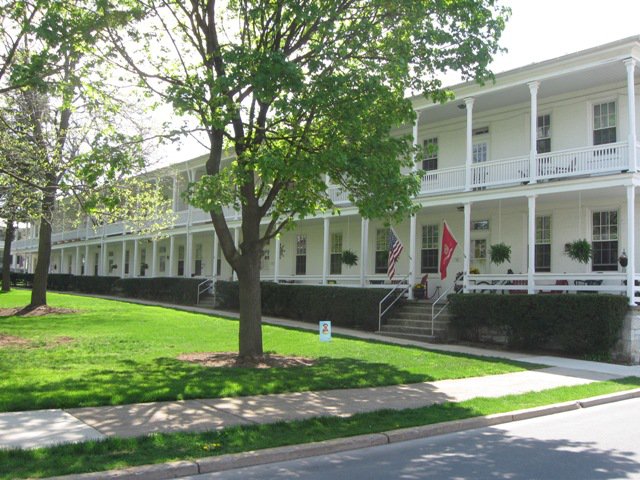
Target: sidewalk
48, 427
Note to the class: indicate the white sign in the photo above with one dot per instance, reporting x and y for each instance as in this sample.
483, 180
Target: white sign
325, 331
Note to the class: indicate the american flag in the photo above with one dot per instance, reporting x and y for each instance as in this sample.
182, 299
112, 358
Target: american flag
395, 249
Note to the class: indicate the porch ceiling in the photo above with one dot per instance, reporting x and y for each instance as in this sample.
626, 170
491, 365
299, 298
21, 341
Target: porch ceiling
504, 93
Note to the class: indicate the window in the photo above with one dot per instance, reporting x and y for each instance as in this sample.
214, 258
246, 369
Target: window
382, 250
543, 142
430, 161
479, 249
181, 260
111, 263
126, 262
162, 259
96, 260
604, 236
301, 255
198, 263
543, 244
143, 261
480, 152
604, 123
480, 225
429, 253
336, 254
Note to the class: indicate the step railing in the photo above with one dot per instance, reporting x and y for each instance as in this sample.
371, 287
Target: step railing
444, 294
204, 287
400, 289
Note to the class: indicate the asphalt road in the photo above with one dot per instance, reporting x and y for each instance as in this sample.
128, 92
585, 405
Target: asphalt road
595, 443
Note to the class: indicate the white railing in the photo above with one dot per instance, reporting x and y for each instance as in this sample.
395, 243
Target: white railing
443, 295
113, 229
500, 172
338, 196
25, 243
182, 217
200, 216
443, 180
549, 283
611, 157
399, 289
204, 287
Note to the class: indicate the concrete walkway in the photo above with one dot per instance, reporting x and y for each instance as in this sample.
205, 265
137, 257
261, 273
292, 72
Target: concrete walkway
49, 427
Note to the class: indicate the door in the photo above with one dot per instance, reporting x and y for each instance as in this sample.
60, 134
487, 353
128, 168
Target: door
480, 155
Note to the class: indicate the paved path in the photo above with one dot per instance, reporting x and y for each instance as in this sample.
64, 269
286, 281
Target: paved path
48, 427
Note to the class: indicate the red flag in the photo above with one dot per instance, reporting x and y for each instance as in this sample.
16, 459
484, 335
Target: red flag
449, 244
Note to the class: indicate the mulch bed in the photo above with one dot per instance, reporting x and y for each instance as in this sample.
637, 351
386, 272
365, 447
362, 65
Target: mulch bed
232, 360
34, 312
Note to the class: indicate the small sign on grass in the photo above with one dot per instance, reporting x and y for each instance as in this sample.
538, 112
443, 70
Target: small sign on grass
325, 331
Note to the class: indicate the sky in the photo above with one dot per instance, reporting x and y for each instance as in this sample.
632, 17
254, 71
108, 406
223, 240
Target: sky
537, 30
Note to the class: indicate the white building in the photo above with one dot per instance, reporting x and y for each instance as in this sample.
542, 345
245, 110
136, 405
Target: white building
545, 155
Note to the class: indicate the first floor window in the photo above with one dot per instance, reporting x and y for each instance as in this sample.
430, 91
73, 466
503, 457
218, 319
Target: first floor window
180, 260
301, 255
382, 250
336, 254
479, 249
543, 244
143, 261
198, 261
162, 258
429, 252
96, 261
126, 262
604, 237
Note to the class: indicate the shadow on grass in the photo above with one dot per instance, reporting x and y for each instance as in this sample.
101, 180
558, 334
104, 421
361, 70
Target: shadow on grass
170, 379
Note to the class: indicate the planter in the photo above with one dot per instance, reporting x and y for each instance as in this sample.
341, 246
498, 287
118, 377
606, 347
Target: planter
419, 293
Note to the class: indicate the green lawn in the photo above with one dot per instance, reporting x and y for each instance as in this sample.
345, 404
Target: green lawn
116, 453
125, 353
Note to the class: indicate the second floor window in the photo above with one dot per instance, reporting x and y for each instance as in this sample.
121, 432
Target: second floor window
430, 161
543, 142
604, 123
604, 236
543, 244
429, 253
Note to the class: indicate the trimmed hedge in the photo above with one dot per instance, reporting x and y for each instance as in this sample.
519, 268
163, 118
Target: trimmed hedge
167, 289
343, 306
576, 324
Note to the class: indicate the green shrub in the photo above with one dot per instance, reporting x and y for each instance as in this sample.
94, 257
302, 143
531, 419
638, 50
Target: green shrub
576, 324
167, 289
343, 306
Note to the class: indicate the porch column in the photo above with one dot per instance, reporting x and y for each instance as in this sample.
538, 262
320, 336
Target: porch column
174, 199
134, 271
123, 258
86, 260
214, 267
77, 269
533, 90
172, 255
630, 63
325, 250
154, 257
236, 242
103, 259
467, 247
531, 230
412, 254
276, 260
631, 243
468, 102
364, 243
188, 264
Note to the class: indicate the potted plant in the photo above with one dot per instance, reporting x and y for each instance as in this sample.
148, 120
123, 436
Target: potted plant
419, 291
349, 258
578, 250
500, 253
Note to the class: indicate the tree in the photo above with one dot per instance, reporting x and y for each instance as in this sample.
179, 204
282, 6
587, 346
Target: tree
302, 92
72, 121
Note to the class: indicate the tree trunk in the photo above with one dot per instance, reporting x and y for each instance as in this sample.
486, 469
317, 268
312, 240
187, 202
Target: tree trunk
250, 334
6, 258
41, 274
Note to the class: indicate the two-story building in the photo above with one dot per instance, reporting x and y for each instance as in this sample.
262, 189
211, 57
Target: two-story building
545, 155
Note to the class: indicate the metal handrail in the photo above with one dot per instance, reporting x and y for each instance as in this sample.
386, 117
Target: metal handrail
204, 286
396, 287
435, 314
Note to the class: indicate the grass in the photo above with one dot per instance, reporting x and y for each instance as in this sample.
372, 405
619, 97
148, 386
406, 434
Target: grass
125, 353
120, 453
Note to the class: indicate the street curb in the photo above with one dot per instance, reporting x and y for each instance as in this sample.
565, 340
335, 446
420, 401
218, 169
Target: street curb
164, 471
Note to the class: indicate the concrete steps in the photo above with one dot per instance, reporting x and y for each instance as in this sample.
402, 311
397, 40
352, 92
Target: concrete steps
207, 301
412, 320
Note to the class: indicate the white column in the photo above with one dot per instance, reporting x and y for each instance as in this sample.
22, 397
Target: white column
154, 257
533, 171
77, 269
276, 261
188, 261
325, 250
631, 95
174, 200
135, 270
415, 141
531, 240
412, 254
214, 267
86, 260
364, 243
469, 153
467, 247
631, 243
123, 259
103, 260
236, 242
172, 255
